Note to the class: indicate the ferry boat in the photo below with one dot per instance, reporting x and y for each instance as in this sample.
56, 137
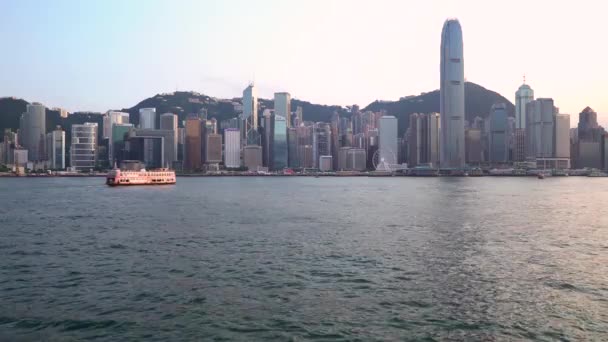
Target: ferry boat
130, 176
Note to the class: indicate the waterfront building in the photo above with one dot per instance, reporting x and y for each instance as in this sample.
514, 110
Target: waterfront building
193, 146
562, 137
321, 141
279, 143
267, 138
388, 140
452, 149
498, 139
335, 123
356, 159
423, 139
343, 158
523, 96
109, 119
306, 156
540, 128
474, 148
153, 147
213, 153
588, 141
232, 148
292, 149
147, 118
250, 108
282, 106
117, 142
325, 163
168, 122
55, 147
32, 133
83, 149
519, 145
252, 157
20, 157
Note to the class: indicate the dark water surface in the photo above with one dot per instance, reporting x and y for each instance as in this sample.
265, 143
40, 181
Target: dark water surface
297, 259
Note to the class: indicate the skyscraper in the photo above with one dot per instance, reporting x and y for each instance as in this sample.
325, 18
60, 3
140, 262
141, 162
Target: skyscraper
213, 149
540, 128
83, 150
423, 139
194, 136
388, 144
232, 148
523, 96
250, 107
282, 106
498, 134
32, 134
279, 143
111, 118
452, 149
168, 121
147, 118
55, 147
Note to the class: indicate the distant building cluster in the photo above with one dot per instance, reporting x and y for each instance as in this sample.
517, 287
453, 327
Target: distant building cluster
281, 140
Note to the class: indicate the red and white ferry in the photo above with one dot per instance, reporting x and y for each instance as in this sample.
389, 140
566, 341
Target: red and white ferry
118, 177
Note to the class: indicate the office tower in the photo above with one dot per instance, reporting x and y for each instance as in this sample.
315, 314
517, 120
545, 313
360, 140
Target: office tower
213, 149
452, 96
33, 131
232, 148
20, 157
562, 137
540, 127
250, 108
519, 145
357, 119
356, 159
282, 106
299, 119
588, 128
335, 123
83, 150
388, 139
168, 122
423, 139
181, 144
213, 125
343, 158
267, 138
55, 148
193, 147
325, 163
498, 134
322, 142
110, 118
252, 157
523, 96
292, 150
147, 118
117, 141
279, 143
154, 147
372, 147
474, 150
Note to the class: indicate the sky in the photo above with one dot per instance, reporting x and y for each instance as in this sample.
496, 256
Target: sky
110, 54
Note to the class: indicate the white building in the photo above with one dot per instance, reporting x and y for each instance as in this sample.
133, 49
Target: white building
282, 106
83, 150
452, 149
388, 141
32, 133
325, 163
147, 118
232, 148
250, 106
111, 118
523, 96
55, 148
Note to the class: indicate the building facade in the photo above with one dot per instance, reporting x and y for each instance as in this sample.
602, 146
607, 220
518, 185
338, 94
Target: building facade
32, 133
523, 96
388, 140
282, 106
83, 149
232, 148
279, 143
498, 139
55, 148
451, 104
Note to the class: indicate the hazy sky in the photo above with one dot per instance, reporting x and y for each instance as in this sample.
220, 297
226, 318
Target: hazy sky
98, 55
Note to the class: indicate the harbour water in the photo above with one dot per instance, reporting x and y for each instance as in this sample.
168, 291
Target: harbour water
299, 258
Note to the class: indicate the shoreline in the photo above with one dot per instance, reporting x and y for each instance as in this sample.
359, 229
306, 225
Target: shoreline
5, 175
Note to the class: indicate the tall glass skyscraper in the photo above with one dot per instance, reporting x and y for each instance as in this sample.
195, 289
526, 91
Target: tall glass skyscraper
452, 152
279, 146
523, 96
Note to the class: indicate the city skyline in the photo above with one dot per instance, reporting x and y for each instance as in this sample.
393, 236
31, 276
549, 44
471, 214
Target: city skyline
113, 59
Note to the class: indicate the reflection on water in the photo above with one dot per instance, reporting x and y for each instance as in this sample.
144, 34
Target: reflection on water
280, 258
